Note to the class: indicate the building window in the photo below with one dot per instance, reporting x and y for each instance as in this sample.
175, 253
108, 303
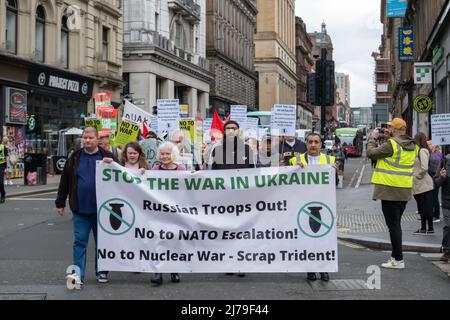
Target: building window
11, 26
40, 34
64, 43
156, 22
179, 35
105, 44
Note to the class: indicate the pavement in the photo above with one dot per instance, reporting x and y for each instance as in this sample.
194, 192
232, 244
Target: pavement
360, 219
18, 188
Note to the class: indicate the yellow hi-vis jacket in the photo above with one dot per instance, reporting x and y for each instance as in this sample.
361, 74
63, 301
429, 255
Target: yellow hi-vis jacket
2, 154
398, 170
324, 159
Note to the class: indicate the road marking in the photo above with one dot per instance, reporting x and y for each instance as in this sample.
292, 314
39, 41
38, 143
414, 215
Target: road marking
360, 177
353, 179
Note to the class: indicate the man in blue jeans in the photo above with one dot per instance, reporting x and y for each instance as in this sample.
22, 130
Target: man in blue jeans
78, 182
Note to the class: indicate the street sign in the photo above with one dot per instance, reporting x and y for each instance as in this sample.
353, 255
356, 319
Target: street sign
406, 44
422, 104
423, 73
440, 129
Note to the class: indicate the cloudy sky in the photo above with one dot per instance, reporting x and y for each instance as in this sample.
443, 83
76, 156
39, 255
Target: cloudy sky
355, 30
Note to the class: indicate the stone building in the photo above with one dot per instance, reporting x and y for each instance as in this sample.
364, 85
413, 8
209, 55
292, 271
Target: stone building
230, 51
305, 65
165, 53
275, 53
55, 56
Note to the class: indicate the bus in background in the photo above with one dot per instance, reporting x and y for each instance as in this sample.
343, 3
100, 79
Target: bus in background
363, 129
351, 140
264, 118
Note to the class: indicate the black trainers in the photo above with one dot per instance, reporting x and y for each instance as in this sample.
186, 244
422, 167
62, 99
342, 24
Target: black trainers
421, 232
430, 232
2, 200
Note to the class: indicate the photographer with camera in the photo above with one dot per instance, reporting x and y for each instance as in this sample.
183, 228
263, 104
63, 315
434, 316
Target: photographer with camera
393, 180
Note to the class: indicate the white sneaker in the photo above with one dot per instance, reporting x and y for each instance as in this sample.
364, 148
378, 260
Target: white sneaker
437, 220
394, 264
73, 281
10, 182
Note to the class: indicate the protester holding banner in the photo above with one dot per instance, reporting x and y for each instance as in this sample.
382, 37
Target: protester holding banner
231, 152
314, 157
168, 154
78, 182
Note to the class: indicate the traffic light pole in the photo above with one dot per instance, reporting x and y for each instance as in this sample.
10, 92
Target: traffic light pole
323, 110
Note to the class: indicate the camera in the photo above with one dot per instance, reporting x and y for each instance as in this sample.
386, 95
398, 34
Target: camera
381, 130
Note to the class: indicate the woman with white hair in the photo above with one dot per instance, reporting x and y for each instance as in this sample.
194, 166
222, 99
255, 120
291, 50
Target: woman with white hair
167, 154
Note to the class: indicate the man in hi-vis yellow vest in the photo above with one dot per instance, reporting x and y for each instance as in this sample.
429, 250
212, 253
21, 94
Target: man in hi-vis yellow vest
393, 180
313, 156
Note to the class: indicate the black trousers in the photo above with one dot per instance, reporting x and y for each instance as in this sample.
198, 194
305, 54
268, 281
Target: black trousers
2, 181
425, 208
393, 211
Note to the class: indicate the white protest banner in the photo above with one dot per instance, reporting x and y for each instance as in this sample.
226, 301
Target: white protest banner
136, 114
252, 128
239, 114
283, 120
440, 129
254, 220
168, 115
207, 123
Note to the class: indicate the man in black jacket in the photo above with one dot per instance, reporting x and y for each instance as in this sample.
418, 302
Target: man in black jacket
78, 182
231, 152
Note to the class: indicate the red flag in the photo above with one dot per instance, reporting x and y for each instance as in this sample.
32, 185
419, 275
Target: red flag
144, 130
217, 131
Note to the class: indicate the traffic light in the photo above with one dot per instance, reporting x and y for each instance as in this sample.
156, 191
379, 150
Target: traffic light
312, 89
328, 83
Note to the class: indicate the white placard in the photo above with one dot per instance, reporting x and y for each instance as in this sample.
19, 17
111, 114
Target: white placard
137, 115
168, 115
251, 220
252, 128
239, 114
283, 120
440, 129
207, 123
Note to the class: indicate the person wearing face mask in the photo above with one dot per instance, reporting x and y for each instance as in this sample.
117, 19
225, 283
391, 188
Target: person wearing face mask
290, 148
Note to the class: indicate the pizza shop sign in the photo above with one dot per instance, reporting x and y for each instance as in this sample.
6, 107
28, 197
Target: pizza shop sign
61, 81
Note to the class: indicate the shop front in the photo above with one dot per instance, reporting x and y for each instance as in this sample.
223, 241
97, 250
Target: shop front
40, 103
